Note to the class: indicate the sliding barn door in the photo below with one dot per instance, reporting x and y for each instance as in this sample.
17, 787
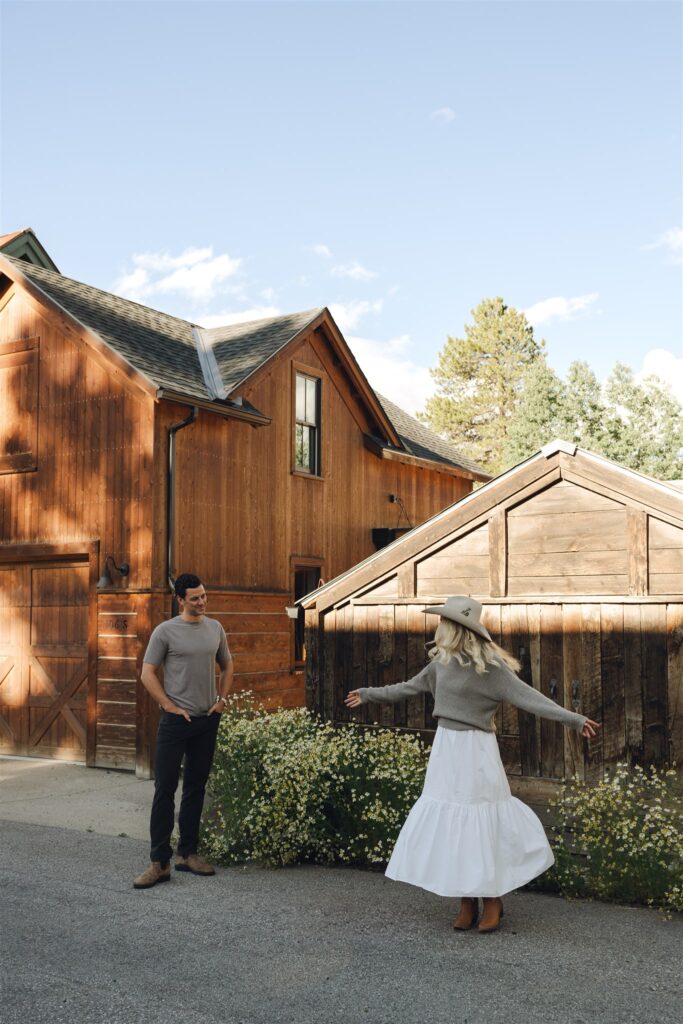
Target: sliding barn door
44, 659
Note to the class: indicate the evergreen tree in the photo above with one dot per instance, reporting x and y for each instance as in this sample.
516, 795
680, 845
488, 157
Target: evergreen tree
645, 423
540, 414
637, 425
479, 380
584, 411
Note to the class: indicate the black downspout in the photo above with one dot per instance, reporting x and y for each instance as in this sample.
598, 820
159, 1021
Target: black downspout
170, 502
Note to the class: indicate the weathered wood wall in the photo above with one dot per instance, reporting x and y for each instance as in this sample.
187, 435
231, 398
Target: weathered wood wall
580, 569
618, 663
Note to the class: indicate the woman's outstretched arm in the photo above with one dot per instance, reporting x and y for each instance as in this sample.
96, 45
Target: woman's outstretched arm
423, 682
511, 688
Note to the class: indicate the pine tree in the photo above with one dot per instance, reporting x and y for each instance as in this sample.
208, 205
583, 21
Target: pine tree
479, 380
540, 414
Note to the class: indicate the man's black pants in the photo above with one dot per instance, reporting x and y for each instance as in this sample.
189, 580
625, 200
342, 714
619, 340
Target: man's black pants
196, 741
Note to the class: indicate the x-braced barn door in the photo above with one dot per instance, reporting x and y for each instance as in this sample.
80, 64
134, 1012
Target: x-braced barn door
44, 659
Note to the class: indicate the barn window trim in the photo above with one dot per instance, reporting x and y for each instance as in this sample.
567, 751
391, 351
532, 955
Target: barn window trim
302, 566
307, 420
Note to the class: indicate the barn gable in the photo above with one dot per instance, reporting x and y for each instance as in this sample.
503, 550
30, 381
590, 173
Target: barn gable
578, 563
562, 522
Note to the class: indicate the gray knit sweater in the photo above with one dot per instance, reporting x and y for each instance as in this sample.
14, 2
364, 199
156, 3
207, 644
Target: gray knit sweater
465, 700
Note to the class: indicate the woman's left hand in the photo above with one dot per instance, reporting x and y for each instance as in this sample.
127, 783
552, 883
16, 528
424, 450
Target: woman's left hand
352, 700
590, 729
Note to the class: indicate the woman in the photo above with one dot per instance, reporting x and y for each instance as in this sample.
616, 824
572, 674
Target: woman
467, 835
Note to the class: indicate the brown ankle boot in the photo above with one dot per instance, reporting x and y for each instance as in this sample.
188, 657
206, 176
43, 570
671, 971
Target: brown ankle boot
469, 912
491, 915
154, 874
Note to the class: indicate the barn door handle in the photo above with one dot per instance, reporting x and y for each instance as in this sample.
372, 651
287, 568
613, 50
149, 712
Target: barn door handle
575, 694
553, 688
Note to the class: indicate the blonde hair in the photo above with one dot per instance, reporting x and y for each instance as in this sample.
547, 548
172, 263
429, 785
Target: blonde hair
455, 641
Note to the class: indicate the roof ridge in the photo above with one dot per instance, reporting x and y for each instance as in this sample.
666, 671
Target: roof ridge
314, 311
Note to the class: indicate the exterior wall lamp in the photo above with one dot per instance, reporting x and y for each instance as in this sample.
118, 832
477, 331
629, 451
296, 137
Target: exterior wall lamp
105, 579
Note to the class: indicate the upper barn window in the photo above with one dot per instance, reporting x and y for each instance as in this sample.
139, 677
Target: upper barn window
19, 405
307, 425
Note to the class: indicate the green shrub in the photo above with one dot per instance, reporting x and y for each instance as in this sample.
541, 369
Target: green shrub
287, 787
621, 839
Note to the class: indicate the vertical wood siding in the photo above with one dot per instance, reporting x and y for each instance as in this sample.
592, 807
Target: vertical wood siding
93, 445
92, 482
585, 657
242, 512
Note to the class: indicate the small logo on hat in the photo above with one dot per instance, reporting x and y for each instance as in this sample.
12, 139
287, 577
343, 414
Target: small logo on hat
466, 611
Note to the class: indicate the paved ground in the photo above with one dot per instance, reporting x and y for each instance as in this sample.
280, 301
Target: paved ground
305, 945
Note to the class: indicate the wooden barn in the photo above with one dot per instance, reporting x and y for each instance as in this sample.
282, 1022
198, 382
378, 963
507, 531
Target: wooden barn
135, 446
579, 565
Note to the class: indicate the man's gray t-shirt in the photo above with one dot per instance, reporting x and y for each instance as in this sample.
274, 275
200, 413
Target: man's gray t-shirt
189, 652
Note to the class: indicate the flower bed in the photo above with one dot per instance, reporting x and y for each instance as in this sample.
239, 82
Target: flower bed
621, 839
287, 787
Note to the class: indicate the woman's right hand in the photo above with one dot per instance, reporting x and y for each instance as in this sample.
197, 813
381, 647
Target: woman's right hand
590, 729
352, 700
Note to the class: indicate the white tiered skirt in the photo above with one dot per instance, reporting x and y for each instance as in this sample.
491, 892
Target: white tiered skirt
467, 835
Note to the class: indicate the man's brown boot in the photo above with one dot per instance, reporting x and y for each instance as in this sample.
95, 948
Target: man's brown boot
154, 873
469, 912
493, 911
194, 863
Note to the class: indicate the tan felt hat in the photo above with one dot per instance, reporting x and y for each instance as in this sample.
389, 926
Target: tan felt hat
464, 610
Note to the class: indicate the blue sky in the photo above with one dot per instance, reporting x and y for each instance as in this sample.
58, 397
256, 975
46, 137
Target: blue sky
398, 162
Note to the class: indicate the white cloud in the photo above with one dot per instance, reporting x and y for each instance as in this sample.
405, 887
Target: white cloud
241, 316
322, 250
349, 314
559, 308
444, 115
162, 260
389, 368
672, 241
356, 271
196, 274
659, 362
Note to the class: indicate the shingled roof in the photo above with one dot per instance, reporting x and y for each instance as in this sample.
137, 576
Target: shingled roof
241, 348
164, 349
159, 346
423, 442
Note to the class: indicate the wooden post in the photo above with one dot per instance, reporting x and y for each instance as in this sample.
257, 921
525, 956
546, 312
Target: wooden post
573, 687
633, 684
406, 579
653, 623
313, 666
498, 554
637, 523
674, 630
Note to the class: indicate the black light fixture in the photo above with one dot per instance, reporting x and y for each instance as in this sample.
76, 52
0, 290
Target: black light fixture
105, 579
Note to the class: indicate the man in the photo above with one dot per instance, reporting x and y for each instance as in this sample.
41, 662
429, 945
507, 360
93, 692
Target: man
188, 646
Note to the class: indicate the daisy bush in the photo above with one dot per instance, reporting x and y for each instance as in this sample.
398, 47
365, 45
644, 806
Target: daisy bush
287, 787
621, 839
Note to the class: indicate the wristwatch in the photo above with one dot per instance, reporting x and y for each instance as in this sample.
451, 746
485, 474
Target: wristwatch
223, 700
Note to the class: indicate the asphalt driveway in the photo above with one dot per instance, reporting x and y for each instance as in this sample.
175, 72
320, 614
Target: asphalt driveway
306, 945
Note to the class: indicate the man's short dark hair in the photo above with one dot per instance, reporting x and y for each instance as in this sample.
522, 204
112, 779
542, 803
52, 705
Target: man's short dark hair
186, 581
